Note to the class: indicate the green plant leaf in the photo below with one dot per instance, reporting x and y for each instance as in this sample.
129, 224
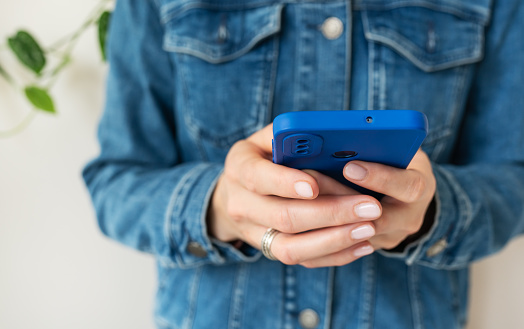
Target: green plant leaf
103, 27
40, 99
28, 51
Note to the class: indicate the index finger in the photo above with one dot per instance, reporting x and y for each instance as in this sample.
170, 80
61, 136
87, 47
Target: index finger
406, 185
263, 138
248, 163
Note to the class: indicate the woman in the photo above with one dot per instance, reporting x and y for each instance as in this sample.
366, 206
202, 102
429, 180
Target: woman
185, 173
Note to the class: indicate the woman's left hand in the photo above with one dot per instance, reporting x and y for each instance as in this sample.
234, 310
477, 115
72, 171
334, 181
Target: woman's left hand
407, 196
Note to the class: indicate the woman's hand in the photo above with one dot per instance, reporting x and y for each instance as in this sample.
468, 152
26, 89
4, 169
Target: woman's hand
408, 194
321, 222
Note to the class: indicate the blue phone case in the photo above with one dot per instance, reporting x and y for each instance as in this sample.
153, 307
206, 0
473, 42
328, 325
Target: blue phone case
326, 140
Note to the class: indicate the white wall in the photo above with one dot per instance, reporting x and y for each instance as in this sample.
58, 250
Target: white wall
56, 269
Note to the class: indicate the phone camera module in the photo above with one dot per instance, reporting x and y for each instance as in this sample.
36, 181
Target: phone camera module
345, 154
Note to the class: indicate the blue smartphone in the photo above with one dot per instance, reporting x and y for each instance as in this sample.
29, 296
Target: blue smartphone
326, 140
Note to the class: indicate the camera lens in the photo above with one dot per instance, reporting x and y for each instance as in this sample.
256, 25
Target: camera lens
344, 154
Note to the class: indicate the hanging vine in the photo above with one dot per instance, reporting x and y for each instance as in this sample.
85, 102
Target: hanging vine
34, 58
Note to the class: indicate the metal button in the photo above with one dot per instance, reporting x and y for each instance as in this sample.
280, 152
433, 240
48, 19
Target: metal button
308, 319
196, 249
332, 28
437, 248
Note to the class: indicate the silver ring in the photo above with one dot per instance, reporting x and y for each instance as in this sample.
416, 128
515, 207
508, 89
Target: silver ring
267, 239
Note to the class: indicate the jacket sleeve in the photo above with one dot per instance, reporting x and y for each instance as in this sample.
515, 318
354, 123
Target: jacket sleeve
144, 195
480, 196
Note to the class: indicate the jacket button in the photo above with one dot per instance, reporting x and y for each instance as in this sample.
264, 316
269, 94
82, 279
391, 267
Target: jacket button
332, 28
437, 248
308, 319
196, 249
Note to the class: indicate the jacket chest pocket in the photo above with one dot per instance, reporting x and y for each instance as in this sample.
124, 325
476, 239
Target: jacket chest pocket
225, 61
419, 58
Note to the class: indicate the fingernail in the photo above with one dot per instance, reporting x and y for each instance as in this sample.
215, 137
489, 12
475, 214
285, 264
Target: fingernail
363, 232
363, 251
304, 189
367, 210
355, 172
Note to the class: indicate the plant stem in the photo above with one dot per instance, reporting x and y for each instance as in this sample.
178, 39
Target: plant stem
54, 74
64, 55
71, 41
7, 77
93, 16
19, 127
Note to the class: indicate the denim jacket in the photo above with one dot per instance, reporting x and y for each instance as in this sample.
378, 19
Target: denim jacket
188, 78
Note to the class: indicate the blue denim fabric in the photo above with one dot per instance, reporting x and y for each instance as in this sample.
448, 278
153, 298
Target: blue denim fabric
189, 78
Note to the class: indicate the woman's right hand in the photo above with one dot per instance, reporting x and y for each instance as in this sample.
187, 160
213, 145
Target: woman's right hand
321, 222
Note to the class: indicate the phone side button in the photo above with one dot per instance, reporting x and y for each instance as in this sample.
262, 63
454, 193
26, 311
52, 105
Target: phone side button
273, 150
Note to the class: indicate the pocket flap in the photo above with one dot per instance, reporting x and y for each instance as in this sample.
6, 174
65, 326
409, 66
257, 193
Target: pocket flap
218, 34
432, 40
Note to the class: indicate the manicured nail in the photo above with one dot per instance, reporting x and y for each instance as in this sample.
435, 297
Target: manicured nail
367, 210
363, 232
355, 172
304, 189
363, 251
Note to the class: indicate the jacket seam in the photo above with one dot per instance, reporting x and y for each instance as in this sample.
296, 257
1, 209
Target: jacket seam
474, 13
